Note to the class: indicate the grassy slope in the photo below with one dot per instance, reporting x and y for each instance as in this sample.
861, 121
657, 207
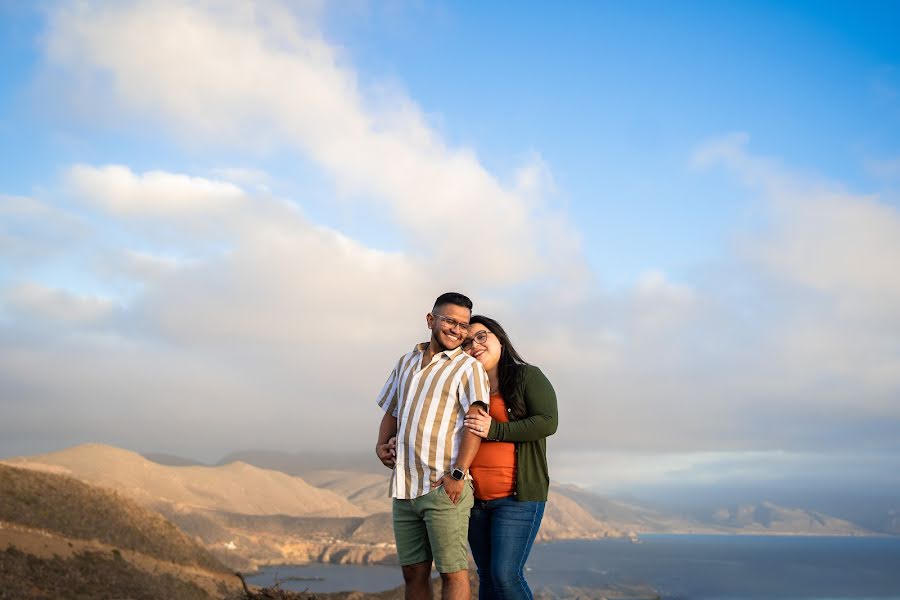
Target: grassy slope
93, 541
87, 576
73, 509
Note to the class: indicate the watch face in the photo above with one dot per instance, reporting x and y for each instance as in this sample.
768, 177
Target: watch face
457, 474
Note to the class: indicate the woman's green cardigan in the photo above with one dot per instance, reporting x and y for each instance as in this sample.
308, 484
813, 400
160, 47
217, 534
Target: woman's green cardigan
530, 434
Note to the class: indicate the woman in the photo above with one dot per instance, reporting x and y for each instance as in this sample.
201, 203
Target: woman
510, 470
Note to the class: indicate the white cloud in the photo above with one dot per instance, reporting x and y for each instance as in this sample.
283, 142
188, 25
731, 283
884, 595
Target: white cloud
251, 341
787, 343
268, 332
141, 266
616, 470
660, 302
828, 263
117, 190
535, 178
275, 268
245, 177
45, 303
252, 74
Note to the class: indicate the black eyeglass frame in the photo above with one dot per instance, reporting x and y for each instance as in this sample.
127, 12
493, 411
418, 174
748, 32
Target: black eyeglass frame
469, 342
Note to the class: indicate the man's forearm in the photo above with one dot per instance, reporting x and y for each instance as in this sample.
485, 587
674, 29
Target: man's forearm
468, 448
387, 429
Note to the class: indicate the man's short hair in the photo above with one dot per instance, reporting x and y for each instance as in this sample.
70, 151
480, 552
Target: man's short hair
454, 298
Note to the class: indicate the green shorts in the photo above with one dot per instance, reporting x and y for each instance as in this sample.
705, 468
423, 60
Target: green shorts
431, 527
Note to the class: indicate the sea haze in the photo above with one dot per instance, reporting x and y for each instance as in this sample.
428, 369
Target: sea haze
868, 499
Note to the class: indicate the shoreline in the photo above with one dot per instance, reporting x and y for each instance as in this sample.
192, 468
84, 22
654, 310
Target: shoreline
262, 566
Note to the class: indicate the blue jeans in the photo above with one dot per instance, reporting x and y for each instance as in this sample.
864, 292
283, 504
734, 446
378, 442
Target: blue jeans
501, 533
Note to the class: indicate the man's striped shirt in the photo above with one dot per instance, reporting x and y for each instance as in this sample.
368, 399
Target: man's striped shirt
430, 404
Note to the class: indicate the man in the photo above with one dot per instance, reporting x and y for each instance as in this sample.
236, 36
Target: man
425, 399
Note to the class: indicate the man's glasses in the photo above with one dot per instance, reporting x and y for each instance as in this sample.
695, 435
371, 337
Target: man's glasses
452, 323
480, 337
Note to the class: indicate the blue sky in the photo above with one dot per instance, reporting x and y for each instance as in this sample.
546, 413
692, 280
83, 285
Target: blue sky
687, 213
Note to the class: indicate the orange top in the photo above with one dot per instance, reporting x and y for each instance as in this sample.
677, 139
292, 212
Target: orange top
494, 468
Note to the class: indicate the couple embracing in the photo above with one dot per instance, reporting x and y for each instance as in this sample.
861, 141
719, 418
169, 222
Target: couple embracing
464, 430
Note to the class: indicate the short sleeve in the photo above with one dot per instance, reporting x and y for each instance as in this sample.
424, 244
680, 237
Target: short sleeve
475, 387
388, 398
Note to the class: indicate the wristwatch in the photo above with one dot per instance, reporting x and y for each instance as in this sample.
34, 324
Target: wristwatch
457, 473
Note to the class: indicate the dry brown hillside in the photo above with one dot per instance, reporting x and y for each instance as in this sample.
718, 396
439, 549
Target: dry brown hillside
768, 516
61, 538
367, 491
246, 516
565, 519
64, 506
235, 487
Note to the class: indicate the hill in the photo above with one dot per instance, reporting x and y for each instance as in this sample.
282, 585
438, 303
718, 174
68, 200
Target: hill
253, 540
61, 538
301, 463
172, 460
628, 516
367, 491
767, 517
572, 513
752, 518
235, 487
248, 516
231, 508
566, 519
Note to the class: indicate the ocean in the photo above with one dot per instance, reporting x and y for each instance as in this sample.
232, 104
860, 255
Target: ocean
680, 567
714, 567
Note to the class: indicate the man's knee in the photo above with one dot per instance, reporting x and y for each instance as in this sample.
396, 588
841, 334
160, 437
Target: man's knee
455, 575
417, 573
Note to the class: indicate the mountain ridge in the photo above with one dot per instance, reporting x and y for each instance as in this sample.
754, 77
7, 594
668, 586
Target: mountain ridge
252, 514
234, 487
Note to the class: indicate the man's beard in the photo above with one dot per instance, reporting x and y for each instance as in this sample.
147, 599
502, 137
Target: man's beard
440, 344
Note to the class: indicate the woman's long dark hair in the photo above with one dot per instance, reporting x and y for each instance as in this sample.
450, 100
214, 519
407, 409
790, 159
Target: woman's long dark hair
510, 369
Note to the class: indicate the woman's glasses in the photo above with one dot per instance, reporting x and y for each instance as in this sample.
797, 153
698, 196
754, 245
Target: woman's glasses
480, 337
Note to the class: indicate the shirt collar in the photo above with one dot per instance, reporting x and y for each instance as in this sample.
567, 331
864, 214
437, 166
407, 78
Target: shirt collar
451, 354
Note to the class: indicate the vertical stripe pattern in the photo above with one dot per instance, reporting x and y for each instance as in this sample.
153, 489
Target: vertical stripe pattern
430, 403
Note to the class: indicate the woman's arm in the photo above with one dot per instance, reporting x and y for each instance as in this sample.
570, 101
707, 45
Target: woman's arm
540, 403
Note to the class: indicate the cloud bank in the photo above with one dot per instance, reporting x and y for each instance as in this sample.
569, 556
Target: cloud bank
188, 313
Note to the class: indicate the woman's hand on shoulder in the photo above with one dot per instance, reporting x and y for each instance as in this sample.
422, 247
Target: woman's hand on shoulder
478, 422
